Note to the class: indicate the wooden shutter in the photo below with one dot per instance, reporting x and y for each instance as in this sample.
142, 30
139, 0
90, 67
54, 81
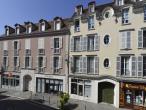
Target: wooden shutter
60, 42
140, 39
37, 62
134, 66
140, 66
118, 73
122, 40
81, 65
84, 64
81, 43
96, 65
128, 41
60, 62
19, 44
96, 42
72, 44
18, 61
7, 62
44, 61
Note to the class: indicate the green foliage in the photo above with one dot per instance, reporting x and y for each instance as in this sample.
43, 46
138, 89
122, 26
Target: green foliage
64, 97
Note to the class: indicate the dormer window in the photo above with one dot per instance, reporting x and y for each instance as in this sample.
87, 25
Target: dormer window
43, 27
7, 32
79, 10
120, 2
17, 31
57, 25
91, 8
29, 29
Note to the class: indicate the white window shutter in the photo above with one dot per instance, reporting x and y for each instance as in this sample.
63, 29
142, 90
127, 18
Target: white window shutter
134, 66
72, 44
23, 61
128, 45
140, 39
140, 66
44, 61
19, 45
85, 64
7, 62
18, 61
30, 62
37, 61
85, 43
81, 65
52, 42
60, 42
96, 42
5, 45
52, 64
81, 43
60, 62
122, 40
41, 43
71, 64
96, 65
27, 44
118, 73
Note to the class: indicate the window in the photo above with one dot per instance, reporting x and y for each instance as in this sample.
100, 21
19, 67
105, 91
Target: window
16, 45
91, 8
17, 31
27, 62
125, 40
58, 25
81, 87
56, 42
91, 22
29, 29
107, 14
125, 16
7, 32
41, 64
90, 64
106, 63
42, 26
125, 65
128, 96
144, 65
16, 63
91, 43
106, 39
77, 25
144, 12
76, 43
76, 64
120, 2
40, 61
5, 63
56, 64
138, 97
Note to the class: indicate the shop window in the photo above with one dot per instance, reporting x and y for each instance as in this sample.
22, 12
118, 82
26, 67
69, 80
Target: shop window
138, 97
128, 97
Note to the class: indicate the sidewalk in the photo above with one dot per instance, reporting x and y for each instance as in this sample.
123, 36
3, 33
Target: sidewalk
52, 100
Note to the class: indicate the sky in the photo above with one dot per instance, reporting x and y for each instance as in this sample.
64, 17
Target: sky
20, 11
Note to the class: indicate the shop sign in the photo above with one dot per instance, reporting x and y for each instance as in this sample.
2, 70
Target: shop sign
135, 86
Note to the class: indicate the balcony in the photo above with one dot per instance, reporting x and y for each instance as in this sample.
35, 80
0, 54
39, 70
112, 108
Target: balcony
27, 52
16, 52
41, 51
77, 29
56, 51
41, 69
5, 53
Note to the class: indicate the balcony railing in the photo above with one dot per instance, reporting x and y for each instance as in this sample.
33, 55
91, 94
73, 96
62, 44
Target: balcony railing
41, 51
5, 52
56, 51
16, 52
27, 52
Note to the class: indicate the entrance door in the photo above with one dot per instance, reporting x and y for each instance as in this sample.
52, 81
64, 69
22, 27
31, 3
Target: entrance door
26, 82
106, 92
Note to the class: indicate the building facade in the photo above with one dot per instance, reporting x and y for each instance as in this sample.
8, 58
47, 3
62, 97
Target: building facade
33, 56
97, 55
107, 53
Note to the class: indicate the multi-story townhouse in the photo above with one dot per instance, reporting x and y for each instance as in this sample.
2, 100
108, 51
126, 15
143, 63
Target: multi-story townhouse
107, 53
34, 55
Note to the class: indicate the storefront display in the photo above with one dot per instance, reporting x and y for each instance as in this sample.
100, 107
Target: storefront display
133, 96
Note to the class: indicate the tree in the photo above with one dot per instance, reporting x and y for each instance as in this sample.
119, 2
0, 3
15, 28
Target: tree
64, 97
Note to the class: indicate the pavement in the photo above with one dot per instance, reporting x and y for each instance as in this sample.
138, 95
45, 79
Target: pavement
52, 101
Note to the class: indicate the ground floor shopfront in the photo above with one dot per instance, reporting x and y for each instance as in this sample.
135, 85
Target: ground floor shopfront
27, 80
95, 90
133, 95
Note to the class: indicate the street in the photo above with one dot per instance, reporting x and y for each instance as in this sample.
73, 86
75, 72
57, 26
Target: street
11, 103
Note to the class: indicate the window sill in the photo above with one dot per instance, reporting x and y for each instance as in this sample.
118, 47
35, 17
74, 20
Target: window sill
126, 49
90, 29
124, 24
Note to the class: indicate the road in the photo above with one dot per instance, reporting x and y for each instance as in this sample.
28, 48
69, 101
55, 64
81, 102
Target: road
11, 103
